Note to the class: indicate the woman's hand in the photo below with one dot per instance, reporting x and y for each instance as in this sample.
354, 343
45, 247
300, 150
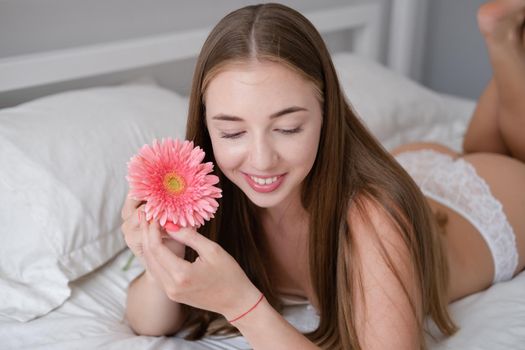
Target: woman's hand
132, 214
214, 281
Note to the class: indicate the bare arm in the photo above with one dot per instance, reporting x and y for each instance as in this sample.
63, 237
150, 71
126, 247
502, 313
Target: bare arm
149, 311
384, 317
150, 307
216, 282
265, 328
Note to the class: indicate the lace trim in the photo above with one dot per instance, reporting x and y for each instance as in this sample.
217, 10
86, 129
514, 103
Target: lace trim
455, 183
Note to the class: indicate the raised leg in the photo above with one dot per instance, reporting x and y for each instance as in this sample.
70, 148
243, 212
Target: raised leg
483, 133
501, 22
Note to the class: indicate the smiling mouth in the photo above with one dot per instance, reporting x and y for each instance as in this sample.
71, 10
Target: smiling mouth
264, 181
264, 184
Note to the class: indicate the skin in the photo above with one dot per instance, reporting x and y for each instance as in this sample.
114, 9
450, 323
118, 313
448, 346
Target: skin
498, 124
247, 140
493, 141
254, 92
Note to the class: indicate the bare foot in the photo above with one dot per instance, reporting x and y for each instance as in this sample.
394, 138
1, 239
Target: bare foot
502, 24
501, 21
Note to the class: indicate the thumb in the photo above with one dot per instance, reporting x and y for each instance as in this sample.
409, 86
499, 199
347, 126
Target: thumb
191, 238
171, 228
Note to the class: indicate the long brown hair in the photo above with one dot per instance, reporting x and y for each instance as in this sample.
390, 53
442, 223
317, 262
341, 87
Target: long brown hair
350, 166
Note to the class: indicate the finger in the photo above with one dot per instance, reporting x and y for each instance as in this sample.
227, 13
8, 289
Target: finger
174, 246
159, 273
163, 255
154, 234
171, 227
137, 238
133, 239
161, 267
139, 214
131, 227
130, 204
202, 245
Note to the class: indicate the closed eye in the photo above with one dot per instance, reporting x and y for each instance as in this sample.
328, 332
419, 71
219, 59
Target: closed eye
283, 131
291, 131
231, 136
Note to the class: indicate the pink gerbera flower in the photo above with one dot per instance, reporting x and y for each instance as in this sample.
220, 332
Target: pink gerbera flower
176, 186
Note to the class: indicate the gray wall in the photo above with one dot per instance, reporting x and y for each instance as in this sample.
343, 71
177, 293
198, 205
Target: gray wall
28, 26
455, 60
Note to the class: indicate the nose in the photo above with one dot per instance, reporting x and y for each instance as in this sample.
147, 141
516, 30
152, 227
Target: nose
263, 154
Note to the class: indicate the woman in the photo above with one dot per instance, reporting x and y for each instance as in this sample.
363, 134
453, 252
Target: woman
314, 207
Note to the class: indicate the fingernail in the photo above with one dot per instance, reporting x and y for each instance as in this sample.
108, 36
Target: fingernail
171, 227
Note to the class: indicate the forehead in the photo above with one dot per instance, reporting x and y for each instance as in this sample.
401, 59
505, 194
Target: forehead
274, 82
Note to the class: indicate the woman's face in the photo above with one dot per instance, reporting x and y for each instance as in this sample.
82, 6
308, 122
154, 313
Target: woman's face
264, 121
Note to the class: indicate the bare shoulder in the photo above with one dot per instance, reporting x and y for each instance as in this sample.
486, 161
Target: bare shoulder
387, 280
375, 233
368, 216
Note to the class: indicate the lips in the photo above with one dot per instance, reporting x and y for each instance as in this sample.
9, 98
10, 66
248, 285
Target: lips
264, 184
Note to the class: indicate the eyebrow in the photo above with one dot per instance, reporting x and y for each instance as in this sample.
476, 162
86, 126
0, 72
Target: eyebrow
233, 118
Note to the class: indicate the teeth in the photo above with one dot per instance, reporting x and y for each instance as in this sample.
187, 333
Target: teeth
267, 181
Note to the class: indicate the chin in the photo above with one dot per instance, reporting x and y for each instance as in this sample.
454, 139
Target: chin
264, 203
277, 199
262, 200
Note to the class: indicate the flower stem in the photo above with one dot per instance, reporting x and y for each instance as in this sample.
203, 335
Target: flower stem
128, 264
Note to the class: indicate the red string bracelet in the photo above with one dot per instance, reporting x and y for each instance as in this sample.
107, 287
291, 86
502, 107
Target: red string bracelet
249, 310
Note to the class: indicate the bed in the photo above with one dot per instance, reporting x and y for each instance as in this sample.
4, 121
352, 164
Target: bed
70, 121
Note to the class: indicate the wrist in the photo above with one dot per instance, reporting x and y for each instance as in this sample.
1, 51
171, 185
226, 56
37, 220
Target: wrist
246, 307
260, 316
149, 279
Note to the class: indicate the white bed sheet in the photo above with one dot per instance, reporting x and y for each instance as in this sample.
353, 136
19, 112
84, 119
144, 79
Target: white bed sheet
93, 317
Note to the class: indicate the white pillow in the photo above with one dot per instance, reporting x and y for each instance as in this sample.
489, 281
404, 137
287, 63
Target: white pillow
62, 183
398, 110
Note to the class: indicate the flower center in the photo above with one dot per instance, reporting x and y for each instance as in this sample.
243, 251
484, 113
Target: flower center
174, 183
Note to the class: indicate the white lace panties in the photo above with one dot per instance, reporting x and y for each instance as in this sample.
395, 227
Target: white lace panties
455, 183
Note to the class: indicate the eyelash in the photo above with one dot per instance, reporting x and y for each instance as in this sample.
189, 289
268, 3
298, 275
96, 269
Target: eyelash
291, 131
231, 136
283, 131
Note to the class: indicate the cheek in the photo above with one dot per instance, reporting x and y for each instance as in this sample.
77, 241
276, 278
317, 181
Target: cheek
303, 153
227, 156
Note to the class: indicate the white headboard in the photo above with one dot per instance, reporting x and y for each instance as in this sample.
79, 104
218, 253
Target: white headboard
362, 27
